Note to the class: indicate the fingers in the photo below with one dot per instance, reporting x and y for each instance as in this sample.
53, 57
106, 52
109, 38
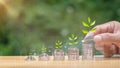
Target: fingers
114, 49
106, 49
105, 41
99, 47
109, 27
105, 28
106, 35
107, 38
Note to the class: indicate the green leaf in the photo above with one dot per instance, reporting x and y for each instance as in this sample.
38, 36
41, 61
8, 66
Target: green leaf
60, 47
56, 47
93, 23
85, 24
84, 31
89, 19
70, 38
93, 30
30, 53
75, 38
76, 42
43, 49
70, 43
73, 35
58, 44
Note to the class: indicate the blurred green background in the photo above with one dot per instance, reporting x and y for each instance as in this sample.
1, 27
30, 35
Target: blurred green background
27, 25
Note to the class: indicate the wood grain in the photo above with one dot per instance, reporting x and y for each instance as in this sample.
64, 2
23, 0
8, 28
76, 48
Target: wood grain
19, 62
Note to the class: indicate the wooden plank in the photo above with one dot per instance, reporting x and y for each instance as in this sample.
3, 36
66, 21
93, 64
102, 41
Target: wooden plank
19, 62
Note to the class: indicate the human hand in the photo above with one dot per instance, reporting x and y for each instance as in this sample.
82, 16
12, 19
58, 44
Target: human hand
107, 38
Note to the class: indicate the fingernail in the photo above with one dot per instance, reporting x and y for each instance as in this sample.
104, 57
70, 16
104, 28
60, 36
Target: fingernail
97, 39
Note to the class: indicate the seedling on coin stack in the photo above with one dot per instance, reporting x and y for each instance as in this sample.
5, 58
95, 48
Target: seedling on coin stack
30, 57
73, 51
58, 52
44, 56
88, 43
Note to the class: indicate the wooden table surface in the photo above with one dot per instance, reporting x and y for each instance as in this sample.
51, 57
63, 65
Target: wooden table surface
19, 62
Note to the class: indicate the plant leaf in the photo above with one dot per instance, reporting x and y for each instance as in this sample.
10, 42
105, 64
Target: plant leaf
56, 43
70, 38
76, 42
56, 47
73, 35
75, 38
30, 53
70, 43
84, 31
60, 43
60, 46
93, 30
85, 24
43, 49
89, 19
93, 23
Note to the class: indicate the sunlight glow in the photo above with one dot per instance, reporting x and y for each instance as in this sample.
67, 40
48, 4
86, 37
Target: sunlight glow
4, 4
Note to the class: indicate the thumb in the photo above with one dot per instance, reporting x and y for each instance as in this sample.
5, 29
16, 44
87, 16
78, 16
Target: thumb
107, 38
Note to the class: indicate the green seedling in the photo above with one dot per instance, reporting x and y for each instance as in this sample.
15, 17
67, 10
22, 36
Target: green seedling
88, 25
73, 40
30, 53
58, 44
43, 49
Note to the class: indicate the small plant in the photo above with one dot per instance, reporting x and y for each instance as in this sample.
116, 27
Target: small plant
73, 40
88, 25
58, 44
43, 49
30, 54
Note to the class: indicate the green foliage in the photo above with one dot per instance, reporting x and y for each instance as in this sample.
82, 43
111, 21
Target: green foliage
93, 30
43, 49
84, 31
88, 25
49, 20
58, 44
73, 40
30, 54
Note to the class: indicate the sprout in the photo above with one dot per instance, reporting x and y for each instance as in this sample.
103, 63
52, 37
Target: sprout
30, 54
44, 49
88, 25
58, 44
73, 40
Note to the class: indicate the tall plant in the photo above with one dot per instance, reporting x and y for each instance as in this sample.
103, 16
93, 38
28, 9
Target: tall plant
88, 26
